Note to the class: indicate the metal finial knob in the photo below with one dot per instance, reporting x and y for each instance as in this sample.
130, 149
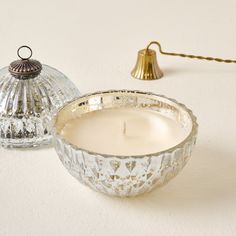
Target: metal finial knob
25, 68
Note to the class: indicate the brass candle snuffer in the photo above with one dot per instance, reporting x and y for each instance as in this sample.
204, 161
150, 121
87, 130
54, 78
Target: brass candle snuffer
147, 68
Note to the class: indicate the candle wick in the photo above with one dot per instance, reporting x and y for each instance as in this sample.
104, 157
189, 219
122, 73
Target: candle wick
124, 128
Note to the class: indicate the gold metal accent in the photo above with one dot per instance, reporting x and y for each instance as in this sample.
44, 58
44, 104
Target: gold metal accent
147, 68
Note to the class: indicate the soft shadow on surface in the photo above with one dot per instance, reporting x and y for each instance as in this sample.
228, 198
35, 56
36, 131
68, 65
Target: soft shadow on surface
167, 71
200, 70
208, 178
43, 147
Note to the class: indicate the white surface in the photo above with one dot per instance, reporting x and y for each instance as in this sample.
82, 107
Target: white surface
95, 44
124, 131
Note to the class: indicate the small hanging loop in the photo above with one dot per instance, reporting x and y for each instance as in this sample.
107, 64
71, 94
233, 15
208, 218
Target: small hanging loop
24, 58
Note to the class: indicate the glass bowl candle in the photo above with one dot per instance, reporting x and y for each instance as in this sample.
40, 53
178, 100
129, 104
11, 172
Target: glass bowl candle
124, 143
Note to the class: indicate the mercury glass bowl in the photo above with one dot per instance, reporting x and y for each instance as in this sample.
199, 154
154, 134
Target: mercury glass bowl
125, 175
30, 94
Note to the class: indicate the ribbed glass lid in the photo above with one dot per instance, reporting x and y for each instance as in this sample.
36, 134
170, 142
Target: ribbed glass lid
30, 95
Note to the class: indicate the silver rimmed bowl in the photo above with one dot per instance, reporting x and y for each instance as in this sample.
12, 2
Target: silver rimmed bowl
124, 175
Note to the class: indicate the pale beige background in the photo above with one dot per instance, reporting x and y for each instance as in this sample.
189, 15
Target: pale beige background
95, 44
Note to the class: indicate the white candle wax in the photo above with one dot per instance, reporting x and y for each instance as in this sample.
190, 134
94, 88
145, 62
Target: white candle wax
124, 131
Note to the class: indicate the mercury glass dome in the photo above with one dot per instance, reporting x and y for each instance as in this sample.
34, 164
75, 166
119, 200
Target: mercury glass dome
30, 94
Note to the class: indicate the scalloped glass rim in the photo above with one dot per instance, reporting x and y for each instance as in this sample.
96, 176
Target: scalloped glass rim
191, 135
